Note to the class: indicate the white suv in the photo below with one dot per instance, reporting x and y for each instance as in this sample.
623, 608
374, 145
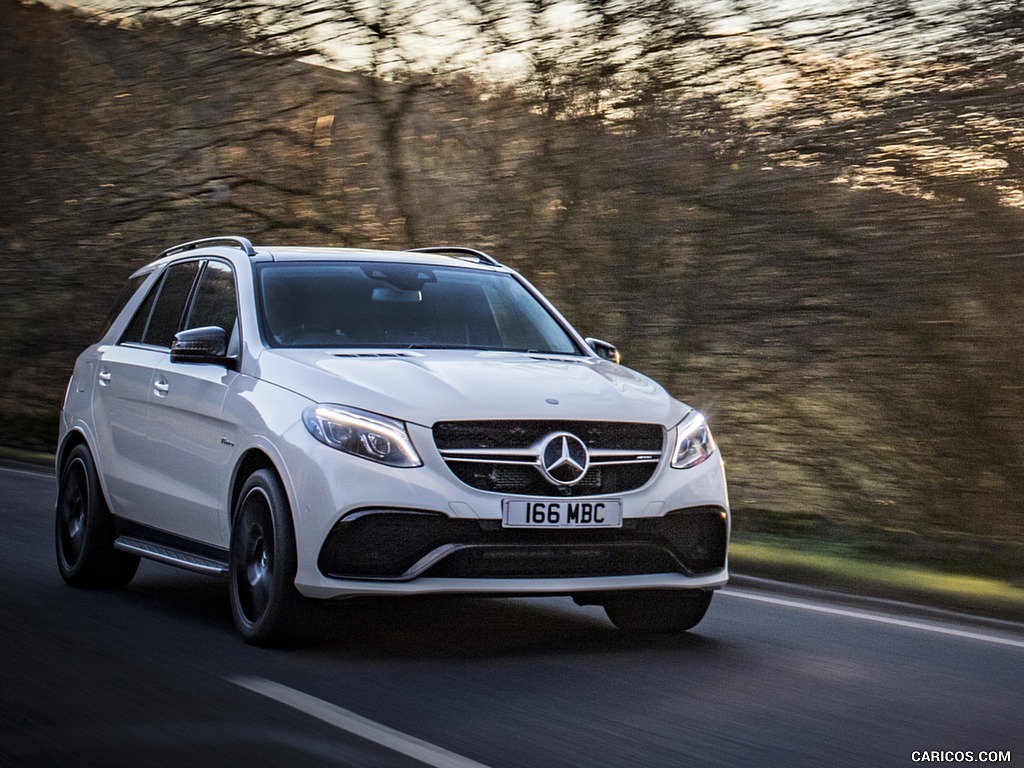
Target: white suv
334, 423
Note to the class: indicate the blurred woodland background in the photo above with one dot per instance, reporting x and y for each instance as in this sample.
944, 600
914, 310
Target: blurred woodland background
806, 219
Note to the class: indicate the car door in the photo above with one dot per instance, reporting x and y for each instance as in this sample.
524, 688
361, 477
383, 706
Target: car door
189, 444
120, 401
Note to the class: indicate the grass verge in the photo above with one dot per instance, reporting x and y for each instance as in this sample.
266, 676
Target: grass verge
969, 594
21, 456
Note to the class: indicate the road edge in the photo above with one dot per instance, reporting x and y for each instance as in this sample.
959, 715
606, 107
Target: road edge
873, 603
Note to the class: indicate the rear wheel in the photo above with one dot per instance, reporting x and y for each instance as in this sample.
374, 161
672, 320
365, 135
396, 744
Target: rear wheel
85, 529
266, 607
657, 611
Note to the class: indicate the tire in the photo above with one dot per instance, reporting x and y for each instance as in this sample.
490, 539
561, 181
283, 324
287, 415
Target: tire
657, 611
85, 529
266, 607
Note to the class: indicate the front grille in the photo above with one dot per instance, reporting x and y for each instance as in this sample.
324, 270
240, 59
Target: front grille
506, 456
402, 545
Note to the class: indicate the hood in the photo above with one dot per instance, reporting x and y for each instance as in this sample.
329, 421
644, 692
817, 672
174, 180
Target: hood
426, 386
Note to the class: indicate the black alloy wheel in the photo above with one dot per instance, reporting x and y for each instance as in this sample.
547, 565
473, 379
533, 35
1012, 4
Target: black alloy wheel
265, 605
85, 529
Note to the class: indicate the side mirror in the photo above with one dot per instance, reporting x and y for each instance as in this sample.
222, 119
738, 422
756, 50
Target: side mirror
605, 350
201, 345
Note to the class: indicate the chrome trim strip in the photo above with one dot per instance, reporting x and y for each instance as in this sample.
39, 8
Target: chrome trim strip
652, 455
642, 458
527, 457
488, 452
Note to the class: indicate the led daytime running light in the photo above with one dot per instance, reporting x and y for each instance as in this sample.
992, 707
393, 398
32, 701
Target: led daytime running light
360, 433
694, 443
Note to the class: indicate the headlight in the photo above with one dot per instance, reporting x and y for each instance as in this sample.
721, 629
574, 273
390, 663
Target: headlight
367, 435
694, 443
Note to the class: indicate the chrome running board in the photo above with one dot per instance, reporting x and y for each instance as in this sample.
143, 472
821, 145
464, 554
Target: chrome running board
179, 558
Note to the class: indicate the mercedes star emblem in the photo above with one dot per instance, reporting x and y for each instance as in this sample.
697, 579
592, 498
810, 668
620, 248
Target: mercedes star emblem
564, 458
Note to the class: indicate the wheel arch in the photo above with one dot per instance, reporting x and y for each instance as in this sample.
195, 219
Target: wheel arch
72, 439
252, 460
76, 436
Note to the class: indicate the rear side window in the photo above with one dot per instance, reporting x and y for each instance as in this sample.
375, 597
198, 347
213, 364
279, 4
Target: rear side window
129, 289
137, 327
160, 315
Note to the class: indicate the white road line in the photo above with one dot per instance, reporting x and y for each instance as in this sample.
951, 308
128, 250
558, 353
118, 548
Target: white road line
878, 618
396, 741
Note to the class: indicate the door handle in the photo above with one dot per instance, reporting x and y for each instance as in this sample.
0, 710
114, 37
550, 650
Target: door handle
105, 377
161, 388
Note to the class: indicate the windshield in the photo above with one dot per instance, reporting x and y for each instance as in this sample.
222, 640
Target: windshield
363, 304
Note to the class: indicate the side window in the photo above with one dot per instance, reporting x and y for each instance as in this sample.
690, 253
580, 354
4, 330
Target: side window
137, 327
159, 317
129, 289
214, 303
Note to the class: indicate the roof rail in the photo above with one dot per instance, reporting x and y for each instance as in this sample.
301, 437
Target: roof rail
460, 252
230, 240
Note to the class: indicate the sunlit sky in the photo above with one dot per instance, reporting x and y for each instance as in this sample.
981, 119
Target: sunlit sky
436, 31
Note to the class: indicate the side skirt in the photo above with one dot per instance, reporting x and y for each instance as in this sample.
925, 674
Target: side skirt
171, 550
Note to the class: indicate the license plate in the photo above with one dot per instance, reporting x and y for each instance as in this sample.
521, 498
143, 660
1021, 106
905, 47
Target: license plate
564, 513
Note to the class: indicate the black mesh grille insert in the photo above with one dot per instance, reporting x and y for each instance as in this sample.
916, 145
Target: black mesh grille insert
556, 561
452, 435
402, 545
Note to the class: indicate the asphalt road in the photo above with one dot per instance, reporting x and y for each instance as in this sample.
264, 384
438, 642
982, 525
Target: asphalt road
155, 675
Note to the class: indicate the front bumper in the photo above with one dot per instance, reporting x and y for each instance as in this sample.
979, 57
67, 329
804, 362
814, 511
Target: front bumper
366, 529
400, 545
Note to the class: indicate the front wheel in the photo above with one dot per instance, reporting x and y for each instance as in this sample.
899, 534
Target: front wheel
85, 529
265, 605
657, 611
